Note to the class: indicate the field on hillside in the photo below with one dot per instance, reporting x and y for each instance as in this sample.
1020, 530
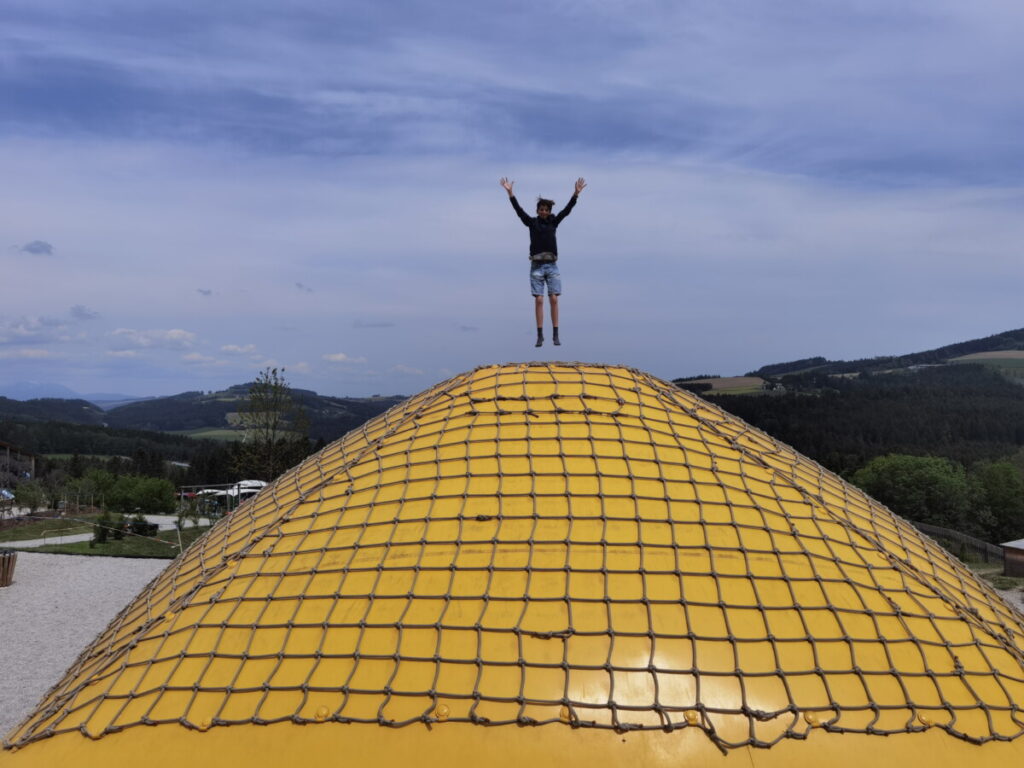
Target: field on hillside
1004, 355
102, 456
732, 385
1009, 362
211, 433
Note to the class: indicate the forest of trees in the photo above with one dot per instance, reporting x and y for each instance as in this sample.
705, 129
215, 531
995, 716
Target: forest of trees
940, 445
44, 437
985, 501
124, 469
966, 413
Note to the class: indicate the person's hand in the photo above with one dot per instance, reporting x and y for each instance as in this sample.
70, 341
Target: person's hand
508, 185
580, 184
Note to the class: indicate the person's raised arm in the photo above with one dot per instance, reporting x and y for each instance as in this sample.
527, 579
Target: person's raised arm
523, 216
580, 184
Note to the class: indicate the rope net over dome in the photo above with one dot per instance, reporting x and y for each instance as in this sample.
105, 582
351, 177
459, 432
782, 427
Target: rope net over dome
558, 543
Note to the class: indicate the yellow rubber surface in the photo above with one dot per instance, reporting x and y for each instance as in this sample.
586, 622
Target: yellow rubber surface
460, 745
537, 558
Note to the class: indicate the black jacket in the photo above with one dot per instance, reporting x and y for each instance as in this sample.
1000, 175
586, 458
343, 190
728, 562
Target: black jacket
542, 231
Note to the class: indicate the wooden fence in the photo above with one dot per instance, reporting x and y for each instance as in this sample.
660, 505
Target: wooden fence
961, 543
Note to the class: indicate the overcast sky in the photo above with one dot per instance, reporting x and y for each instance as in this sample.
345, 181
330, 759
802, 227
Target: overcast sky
194, 191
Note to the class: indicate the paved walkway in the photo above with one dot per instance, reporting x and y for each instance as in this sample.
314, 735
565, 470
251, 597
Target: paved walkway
166, 523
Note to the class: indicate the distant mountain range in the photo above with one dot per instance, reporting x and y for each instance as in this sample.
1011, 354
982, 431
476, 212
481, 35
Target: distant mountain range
216, 414
196, 413
35, 390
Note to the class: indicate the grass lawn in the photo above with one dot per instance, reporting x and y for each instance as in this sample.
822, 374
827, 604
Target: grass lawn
738, 391
165, 546
993, 574
1007, 356
36, 529
1009, 363
730, 385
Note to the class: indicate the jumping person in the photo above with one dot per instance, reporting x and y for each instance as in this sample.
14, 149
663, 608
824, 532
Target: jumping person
544, 254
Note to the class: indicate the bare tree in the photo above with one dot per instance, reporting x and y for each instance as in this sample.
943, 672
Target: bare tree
276, 428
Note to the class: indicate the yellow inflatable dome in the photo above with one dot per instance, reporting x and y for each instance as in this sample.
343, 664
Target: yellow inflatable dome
550, 564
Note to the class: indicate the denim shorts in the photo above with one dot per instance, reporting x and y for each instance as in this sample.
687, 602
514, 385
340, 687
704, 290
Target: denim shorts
542, 272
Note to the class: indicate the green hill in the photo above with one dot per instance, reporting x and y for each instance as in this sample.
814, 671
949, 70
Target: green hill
52, 409
1000, 342
962, 401
216, 414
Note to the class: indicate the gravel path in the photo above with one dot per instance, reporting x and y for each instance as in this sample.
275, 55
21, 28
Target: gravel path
53, 610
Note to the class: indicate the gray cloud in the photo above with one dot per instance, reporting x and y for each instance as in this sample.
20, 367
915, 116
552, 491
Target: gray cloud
175, 338
34, 329
407, 370
82, 312
204, 291
341, 357
195, 358
38, 248
872, 89
25, 353
303, 288
373, 324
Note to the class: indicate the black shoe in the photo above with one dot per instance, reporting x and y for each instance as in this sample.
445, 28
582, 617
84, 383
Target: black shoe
540, 343
556, 342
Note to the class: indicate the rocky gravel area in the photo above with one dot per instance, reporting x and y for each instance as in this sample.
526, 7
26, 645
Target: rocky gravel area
1014, 597
53, 610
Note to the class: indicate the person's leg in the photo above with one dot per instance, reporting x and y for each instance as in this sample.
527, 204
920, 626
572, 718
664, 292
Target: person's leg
537, 289
554, 291
553, 298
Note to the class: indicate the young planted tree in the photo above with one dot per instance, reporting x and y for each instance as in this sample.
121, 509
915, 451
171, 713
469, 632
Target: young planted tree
30, 494
155, 496
276, 428
122, 498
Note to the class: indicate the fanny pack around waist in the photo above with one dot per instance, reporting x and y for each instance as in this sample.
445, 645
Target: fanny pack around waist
544, 257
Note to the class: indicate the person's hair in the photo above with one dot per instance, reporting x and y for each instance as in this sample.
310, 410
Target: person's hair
543, 201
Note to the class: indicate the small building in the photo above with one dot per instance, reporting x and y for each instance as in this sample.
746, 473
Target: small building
1013, 557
